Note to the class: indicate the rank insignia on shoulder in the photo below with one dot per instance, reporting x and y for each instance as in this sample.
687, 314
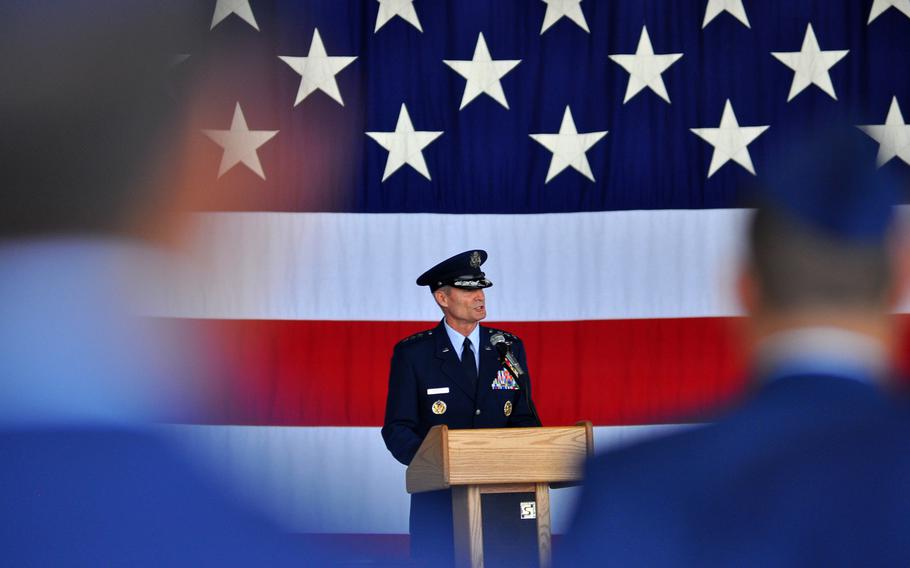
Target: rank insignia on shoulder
504, 381
439, 407
410, 338
507, 409
506, 334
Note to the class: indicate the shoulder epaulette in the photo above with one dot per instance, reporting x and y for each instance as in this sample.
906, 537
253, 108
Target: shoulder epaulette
415, 337
506, 334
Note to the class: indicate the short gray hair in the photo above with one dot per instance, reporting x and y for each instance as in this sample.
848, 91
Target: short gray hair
444, 289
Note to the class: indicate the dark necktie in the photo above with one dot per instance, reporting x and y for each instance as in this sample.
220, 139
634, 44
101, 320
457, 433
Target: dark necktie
467, 360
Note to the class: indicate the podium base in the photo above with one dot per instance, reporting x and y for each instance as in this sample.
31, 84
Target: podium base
503, 526
509, 540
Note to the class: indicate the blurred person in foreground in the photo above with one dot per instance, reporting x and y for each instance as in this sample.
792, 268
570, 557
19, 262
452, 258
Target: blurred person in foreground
90, 143
813, 469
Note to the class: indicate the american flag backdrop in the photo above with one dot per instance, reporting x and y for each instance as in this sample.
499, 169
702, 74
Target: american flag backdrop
595, 148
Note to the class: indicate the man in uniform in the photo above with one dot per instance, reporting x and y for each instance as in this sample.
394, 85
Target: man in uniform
813, 469
451, 375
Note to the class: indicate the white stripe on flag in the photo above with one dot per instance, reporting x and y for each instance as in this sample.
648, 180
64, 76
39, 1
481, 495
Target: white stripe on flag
336, 479
555, 267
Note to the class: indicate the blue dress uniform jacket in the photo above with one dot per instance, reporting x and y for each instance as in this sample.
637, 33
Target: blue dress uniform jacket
428, 361
99, 496
813, 471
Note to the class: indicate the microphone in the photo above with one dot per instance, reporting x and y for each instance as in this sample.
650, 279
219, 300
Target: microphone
505, 354
511, 362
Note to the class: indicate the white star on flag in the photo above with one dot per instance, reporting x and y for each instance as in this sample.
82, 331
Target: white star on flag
645, 68
405, 145
733, 7
317, 70
224, 8
730, 140
558, 9
483, 74
893, 136
810, 65
881, 5
404, 9
569, 147
240, 144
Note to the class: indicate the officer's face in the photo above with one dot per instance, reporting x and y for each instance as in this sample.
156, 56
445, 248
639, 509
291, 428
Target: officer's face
464, 306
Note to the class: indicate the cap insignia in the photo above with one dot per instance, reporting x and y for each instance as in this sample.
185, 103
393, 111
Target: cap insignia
475, 259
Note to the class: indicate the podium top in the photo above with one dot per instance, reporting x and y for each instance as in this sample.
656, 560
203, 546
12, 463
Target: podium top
499, 455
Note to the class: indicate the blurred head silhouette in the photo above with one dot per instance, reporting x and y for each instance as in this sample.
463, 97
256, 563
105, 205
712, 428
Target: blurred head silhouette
823, 245
92, 134
91, 154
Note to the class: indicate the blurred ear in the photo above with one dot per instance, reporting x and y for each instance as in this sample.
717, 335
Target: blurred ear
747, 292
441, 298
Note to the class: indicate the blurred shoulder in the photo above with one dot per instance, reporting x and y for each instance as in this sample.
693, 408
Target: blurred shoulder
682, 445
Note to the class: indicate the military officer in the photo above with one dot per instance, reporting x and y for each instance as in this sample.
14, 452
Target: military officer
451, 375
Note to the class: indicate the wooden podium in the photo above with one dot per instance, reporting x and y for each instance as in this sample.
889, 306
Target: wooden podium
498, 460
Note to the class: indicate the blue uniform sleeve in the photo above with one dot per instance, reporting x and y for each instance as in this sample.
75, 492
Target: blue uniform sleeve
523, 415
400, 428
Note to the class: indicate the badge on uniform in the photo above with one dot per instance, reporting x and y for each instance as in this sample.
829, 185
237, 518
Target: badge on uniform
504, 381
507, 409
439, 407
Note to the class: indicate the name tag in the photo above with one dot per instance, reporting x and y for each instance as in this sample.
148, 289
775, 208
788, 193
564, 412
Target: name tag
443, 390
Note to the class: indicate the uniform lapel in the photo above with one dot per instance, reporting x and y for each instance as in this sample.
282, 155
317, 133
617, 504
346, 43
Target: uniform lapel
451, 365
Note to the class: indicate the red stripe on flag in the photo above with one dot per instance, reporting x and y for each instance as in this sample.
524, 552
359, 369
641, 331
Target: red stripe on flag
335, 373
